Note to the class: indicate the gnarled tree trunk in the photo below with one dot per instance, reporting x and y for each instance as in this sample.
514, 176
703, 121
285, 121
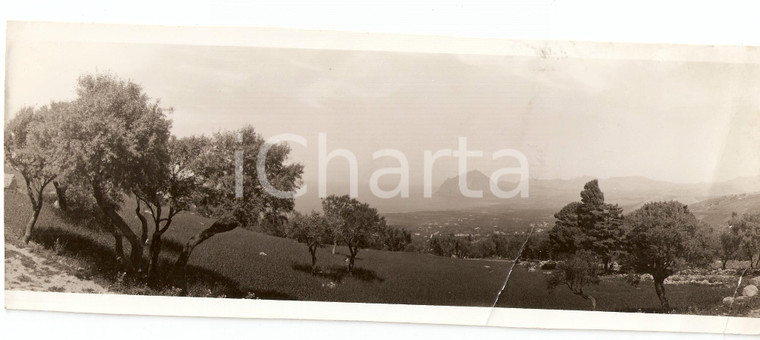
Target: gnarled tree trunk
659, 287
155, 251
109, 210
136, 247
215, 228
32, 222
143, 223
35, 197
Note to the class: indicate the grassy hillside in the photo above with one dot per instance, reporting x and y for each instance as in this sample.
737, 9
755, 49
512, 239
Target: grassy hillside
234, 264
717, 211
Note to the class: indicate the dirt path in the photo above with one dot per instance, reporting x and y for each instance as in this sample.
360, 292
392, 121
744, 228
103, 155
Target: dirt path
27, 271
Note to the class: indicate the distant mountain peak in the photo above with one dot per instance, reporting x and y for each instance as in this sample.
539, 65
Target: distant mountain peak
476, 180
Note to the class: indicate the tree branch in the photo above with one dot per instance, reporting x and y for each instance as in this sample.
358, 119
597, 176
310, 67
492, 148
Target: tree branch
166, 226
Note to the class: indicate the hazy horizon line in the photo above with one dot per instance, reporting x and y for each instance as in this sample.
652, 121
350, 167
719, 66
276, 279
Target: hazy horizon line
567, 179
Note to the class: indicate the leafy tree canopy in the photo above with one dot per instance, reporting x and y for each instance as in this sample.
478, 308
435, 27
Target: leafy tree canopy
116, 136
216, 169
590, 224
664, 236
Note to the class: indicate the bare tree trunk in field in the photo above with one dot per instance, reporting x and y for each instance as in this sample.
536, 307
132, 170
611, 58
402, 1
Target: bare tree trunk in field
60, 192
335, 244
32, 221
118, 222
659, 287
215, 228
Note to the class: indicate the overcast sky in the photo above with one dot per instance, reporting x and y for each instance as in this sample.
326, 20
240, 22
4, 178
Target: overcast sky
673, 121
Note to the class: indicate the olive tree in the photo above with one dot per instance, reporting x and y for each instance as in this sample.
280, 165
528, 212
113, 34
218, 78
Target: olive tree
30, 150
111, 136
730, 245
354, 224
746, 228
312, 230
232, 193
168, 190
663, 237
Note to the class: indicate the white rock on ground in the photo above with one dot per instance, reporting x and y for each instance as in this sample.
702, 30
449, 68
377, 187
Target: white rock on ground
728, 300
749, 291
741, 298
755, 281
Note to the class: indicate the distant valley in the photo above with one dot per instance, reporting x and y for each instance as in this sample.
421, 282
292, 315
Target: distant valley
449, 212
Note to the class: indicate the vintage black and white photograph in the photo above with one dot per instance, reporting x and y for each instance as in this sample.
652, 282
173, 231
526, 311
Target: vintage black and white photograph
528, 177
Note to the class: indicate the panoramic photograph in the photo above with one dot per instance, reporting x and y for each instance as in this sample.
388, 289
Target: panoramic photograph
529, 181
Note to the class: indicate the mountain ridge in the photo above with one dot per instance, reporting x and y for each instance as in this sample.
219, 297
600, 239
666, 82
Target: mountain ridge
630, 192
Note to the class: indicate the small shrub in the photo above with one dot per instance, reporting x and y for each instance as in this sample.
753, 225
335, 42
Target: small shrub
576, 273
